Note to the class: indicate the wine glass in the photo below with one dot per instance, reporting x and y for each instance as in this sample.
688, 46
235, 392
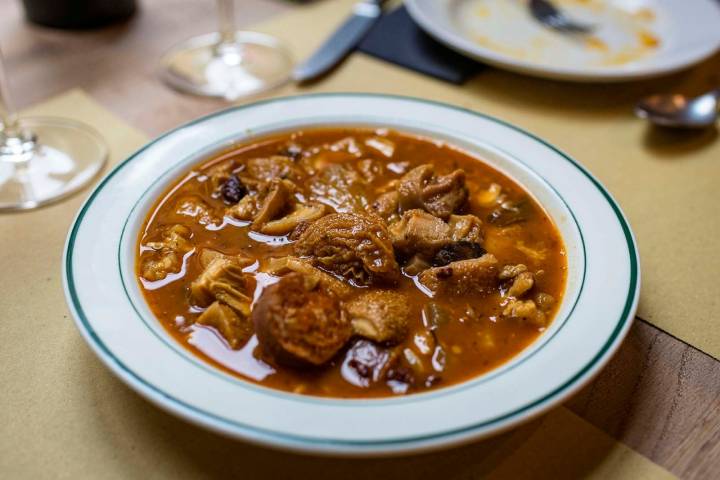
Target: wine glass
227, 64
43, 159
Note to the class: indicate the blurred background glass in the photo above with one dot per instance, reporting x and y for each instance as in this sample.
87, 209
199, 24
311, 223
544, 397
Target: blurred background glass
229, 64
43, 159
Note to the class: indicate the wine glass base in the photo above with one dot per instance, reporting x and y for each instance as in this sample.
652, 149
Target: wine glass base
202, 66
64, 156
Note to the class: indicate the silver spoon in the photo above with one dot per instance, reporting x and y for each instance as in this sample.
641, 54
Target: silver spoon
679, 111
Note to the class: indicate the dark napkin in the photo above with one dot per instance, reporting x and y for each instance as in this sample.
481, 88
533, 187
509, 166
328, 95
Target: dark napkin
396, 38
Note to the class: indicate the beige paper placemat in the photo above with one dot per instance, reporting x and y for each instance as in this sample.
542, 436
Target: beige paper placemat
667, 183
64, 415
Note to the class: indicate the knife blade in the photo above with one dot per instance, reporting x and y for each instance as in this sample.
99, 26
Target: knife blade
341, 42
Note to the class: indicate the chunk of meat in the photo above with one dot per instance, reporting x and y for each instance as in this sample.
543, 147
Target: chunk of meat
410, 187
168, 253
278, 199
161, 265
234, 327
276, 167
357, 247
445, 194
511, 271
250, 205
288, 223
544, 301
439, 195
195, 207
175, 238
419, 232
379, 315
224, 280
521, 284
299, 324
466, 228
525, 310
340, 186
477, 275
285, 265
522, 280
222, 287
275, 210
246, 208
298, 231
386, 204
208, 255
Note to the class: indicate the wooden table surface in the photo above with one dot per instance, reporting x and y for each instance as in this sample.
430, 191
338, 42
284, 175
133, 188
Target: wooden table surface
659, 395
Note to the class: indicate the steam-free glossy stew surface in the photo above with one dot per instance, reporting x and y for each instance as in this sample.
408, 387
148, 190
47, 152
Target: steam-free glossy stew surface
350, 263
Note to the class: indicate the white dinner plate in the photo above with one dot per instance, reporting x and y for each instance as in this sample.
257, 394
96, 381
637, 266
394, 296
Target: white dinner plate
593, 318
634, 39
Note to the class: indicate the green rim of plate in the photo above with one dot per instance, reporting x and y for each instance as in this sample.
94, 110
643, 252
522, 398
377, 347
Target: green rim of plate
271, 437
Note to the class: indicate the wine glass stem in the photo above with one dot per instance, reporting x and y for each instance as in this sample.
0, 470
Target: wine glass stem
8, 115
229, 50
226, 12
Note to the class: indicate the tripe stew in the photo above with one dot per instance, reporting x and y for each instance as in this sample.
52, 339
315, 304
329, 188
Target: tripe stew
347, 262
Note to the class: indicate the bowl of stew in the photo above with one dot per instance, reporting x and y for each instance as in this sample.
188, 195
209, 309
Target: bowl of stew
352, 274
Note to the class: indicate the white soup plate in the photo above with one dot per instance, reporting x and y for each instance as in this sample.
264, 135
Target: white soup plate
632, 40
113, 317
